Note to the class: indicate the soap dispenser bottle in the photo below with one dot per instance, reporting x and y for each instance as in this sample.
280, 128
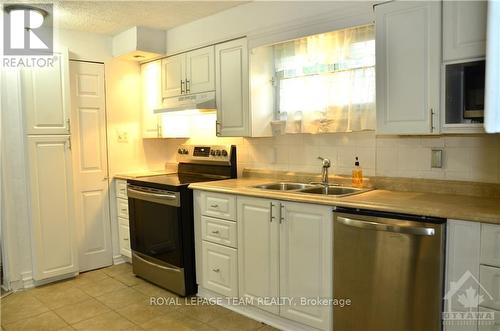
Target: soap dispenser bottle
357, 174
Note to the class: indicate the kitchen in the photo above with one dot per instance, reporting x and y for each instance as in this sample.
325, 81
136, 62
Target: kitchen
209, 165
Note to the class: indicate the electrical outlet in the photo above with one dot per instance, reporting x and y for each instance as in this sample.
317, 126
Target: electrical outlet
436, 158
122, 136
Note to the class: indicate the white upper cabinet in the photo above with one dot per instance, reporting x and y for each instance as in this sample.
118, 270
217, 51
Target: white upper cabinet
54, 243
200, 70
464, 29
232, 89
188, 73
408, 62
46, 97
173, 75
151, 98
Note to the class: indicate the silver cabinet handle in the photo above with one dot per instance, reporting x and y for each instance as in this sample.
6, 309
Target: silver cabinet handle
282, 213
370, 225
271, 217
216, 270
214, 205
182, 86
215, 232
126, 239
188, 89
432, 120
217, 128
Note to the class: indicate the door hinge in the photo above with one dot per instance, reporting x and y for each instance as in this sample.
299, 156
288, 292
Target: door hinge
68, 124
69, 143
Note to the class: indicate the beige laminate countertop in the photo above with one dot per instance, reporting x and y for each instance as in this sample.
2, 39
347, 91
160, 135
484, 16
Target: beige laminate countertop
138, 174
459, 207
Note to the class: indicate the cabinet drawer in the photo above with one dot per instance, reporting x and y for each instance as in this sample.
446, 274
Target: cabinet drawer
489, 278
220, 269
124, 240
121, 188
495, 324
219, 231
490, 244
122, 208
218, 205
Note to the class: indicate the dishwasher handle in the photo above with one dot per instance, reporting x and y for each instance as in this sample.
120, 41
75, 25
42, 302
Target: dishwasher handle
370, 225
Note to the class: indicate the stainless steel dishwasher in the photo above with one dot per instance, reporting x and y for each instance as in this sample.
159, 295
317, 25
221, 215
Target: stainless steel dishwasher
391, 268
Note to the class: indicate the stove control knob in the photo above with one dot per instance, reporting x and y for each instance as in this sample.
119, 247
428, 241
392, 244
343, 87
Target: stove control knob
217, 152
212, 152
224, 153
179, 151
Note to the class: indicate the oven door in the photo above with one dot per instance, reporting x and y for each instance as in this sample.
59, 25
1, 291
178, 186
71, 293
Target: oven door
155, 225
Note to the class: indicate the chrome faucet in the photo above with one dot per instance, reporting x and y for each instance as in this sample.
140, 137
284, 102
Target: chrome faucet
324, 170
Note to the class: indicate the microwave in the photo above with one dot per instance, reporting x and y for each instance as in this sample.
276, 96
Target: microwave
465, 92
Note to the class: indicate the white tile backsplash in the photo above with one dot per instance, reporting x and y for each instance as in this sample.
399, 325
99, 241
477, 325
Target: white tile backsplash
472, 158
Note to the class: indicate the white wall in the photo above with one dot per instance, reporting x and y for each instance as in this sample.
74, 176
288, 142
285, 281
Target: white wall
266, 22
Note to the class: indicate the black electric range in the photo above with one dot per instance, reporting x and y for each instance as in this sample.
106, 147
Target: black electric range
161, 216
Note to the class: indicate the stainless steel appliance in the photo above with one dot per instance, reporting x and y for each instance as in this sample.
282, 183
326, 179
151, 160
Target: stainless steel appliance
391, 268
161, 216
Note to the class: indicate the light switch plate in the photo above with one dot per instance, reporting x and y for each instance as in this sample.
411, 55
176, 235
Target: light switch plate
436, 158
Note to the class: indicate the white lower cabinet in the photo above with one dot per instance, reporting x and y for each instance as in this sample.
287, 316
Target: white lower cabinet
494, 324
220, 269
122, 216
285, 251
54, 244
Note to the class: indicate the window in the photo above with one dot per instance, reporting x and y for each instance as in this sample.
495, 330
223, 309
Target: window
326, 82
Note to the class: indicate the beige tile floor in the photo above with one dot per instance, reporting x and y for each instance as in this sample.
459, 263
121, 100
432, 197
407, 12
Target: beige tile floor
112, 299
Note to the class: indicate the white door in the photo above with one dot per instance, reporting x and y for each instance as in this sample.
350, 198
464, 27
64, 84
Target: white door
464, 29
306, 262
173, 76
46, 99
408, 66
90, 164
231, 79
151, 98
258, 249
200, 70
54, 245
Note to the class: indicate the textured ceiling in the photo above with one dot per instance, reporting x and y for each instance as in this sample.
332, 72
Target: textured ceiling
111, 17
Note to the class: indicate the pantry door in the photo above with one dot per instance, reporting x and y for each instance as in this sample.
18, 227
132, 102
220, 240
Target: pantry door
90, 164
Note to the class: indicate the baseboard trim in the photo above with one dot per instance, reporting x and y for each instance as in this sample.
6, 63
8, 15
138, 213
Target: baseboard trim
257, 314
119, 259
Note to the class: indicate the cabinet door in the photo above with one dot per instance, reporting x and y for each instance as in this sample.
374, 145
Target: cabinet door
52, 210
173, 75
306, 262
124, 237
490, 244
200, 70
231, 77
258, 249
493, 325
464, 29
462, 262
490, 286
151, 98
46, 97
220, 269
408, 67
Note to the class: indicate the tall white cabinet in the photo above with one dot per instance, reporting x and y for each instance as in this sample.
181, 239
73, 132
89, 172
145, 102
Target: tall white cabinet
46, 111
408, 66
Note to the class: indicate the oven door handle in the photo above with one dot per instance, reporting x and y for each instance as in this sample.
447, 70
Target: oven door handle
156, 195
155, 264
171, 199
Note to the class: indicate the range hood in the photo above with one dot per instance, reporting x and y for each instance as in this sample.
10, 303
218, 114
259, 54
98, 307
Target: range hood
204, 100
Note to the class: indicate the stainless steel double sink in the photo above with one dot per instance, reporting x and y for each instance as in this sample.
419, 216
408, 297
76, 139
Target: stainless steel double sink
334, 190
